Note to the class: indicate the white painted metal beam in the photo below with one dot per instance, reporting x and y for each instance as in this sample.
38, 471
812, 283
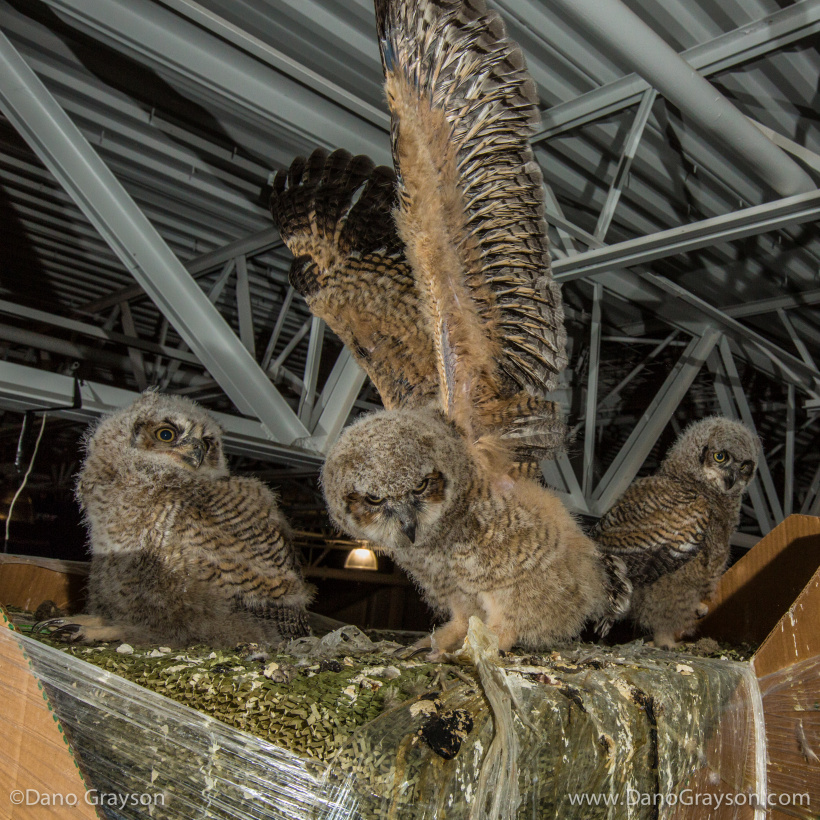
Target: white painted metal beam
559, 475
95, 332
243, 306
246, 246
189, 51
62, 148
788, 458
591, 405
757, 308
650, 426
625, 164
25, 388
336, 401
276, 59
635, 45
747, 42
311, 374
792, 210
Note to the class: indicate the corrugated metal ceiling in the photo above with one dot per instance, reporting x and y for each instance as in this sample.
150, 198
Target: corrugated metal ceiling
193, 105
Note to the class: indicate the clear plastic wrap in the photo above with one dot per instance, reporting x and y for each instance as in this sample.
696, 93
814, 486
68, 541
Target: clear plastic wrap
791, 700
624, 732
131, 741
584, 732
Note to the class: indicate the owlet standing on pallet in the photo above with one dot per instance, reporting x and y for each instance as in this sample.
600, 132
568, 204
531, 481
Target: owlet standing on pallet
453, 313
182, 552
672, 529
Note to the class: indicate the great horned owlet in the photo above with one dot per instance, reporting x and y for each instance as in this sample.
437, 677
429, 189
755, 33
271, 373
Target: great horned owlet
181, 551
672, 529
438, 280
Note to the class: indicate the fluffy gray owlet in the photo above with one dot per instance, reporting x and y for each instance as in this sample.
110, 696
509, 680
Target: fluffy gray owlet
477, 540
672, 529
438, 280
182, 552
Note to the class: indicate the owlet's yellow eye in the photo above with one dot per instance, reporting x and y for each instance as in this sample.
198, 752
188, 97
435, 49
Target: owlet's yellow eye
374, 500
166, 434
420, 488
719, 456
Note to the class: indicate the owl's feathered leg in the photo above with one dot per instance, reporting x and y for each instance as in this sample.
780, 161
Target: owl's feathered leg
71, 620
449, 636
666, 638
662, 639
498, 621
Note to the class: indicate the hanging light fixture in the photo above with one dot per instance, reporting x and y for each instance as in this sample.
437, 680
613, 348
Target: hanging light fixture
362, 557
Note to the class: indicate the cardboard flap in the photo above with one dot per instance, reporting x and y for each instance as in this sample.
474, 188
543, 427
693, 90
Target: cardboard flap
757, 592
39, 776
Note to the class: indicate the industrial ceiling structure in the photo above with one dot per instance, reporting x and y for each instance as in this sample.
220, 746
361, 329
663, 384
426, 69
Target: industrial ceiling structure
680, 147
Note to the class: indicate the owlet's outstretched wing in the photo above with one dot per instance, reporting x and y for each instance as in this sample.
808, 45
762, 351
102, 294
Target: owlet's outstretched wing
655, 528
334, 212
471, 205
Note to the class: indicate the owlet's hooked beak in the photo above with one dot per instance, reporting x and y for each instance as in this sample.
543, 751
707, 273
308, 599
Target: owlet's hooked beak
192, 451
408, 521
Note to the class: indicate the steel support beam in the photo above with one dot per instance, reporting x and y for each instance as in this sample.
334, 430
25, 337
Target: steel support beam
808, 298
250, 246
633, 43
279, 61
93, 331
243, 306
783, 364
811, 503
625, 164
650, 426
311, 375
80, 352
65, 152
590, 414
674, 304
274, 367
796, 340
27, 388
559, 475
336, 400
746, 417
788, 459
277, 328
729, 409
135, 355
782, 213
179, 46
747, 42
613, 394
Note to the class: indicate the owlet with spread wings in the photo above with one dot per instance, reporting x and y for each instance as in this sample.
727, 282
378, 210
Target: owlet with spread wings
182, 552
438, 280
672, 529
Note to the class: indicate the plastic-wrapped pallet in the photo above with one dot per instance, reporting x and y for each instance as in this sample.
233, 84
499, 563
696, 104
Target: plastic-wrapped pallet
624, 732
510, 737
